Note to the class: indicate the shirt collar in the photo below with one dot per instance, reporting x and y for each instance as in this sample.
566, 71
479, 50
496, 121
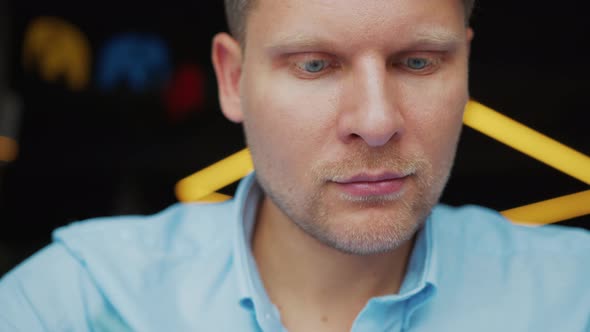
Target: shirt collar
252, 295
418, 287
247, 198
422, 266
421, 280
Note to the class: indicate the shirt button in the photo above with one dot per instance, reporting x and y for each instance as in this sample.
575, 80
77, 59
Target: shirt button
267, 316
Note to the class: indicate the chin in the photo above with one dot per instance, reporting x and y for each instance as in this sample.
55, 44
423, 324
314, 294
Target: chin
363, 243
372, 234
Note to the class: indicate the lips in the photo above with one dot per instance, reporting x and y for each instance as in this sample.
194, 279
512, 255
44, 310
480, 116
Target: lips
381, 184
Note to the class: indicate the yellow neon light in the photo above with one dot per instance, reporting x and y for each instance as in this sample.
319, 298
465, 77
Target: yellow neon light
214, 198
8, 149
551, 210
527, 141
203, 184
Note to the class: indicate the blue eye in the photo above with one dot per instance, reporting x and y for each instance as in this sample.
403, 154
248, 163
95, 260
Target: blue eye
314, 66
417, 63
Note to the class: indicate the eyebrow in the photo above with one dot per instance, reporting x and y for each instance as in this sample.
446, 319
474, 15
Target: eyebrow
298, 42
435, 38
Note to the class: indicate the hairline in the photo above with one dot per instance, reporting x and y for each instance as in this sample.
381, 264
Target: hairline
237, 13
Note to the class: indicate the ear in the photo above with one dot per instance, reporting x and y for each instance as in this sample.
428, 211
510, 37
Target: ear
227, 61
470, 35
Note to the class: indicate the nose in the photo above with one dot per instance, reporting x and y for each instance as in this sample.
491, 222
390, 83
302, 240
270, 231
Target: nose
370, 107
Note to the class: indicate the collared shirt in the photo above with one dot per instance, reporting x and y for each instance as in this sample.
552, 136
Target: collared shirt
190, 268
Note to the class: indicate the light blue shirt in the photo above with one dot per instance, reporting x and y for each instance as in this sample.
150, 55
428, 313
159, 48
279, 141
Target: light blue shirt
190, 268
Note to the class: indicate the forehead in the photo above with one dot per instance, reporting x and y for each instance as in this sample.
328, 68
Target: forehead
354, 21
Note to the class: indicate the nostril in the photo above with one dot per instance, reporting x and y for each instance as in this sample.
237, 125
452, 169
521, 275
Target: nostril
353, 137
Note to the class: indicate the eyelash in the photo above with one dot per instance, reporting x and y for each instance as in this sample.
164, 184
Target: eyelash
298, 67
433, 63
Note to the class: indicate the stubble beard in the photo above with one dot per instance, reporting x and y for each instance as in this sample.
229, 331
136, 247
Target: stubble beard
396, 218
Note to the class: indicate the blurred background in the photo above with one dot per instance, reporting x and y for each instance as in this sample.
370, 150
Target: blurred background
105, 106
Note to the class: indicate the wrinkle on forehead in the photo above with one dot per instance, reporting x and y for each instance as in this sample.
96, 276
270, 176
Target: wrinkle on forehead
301, 23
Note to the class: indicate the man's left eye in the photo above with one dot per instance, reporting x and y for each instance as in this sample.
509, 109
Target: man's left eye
417, 63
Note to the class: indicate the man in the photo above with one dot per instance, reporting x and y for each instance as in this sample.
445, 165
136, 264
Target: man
352, 110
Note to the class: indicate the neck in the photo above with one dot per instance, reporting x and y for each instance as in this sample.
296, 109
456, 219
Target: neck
305, 276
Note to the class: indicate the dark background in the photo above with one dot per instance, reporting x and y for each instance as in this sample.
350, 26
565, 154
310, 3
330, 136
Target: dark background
91, 153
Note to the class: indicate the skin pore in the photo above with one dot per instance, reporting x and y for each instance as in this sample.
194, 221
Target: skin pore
352, 110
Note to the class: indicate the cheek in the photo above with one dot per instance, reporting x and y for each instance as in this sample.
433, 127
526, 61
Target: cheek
287, 110
435, 118
286, 120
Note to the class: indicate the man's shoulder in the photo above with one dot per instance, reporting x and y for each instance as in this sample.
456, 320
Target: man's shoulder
120, 242
130, 266
479, 254
487, 231
180, 229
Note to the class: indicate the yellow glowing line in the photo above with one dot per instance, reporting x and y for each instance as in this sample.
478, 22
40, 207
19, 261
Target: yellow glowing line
552, 210
8, 149
202, 183
214, 198
527, 141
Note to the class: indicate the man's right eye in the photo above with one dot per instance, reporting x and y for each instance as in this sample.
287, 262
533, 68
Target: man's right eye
312, 66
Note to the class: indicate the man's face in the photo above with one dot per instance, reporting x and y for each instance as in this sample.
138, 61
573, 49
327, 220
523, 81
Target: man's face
352, 111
